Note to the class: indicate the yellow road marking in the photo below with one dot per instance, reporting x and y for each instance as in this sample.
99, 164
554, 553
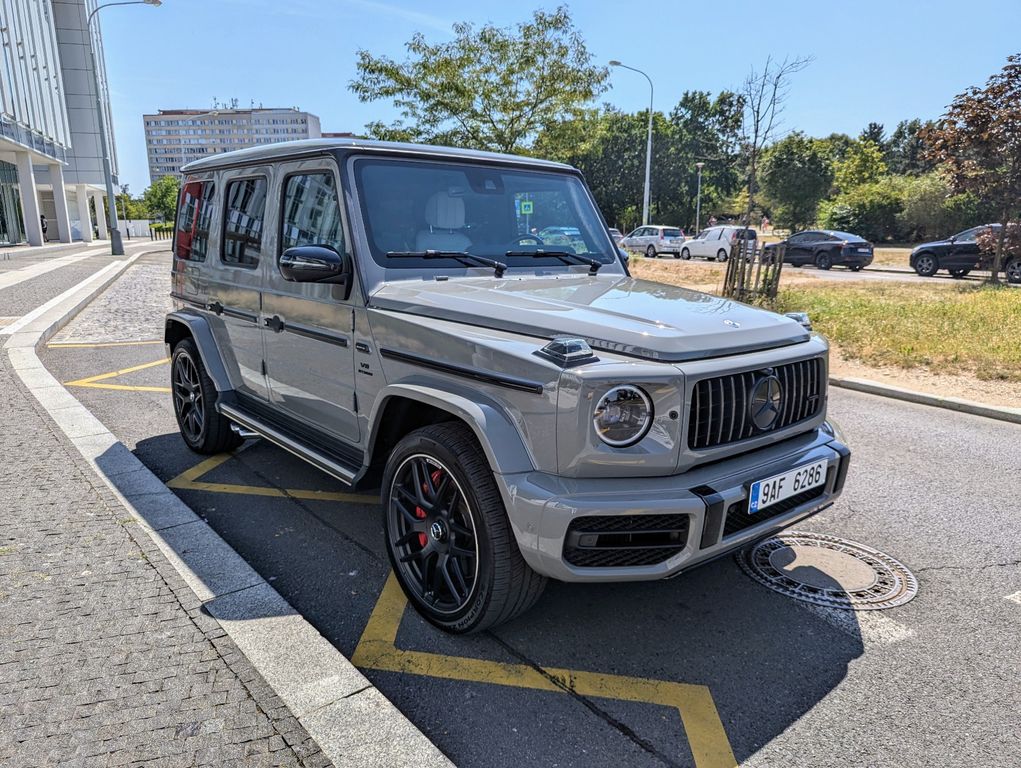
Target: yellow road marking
189, 481
377, 649
95, 381
98, 344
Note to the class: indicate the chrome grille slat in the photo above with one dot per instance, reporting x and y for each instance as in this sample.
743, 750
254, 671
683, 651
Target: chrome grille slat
719, 405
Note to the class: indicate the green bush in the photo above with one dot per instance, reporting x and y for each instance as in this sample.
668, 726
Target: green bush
870, 210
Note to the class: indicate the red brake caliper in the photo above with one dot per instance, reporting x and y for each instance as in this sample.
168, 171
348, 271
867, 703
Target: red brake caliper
423, 539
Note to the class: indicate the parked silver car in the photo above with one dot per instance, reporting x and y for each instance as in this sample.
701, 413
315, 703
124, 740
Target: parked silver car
715, 243
654, 240
389, 313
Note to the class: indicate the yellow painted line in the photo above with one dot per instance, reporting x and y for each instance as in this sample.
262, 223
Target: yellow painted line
95, 381
189, 481
377, 649
98, 344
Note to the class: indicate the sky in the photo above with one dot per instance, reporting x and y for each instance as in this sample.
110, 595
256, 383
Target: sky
872, 60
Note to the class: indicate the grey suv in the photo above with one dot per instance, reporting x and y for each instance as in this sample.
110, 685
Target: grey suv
394, 315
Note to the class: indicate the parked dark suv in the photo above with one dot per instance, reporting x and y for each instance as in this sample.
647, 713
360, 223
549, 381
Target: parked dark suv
825, 248
958, 255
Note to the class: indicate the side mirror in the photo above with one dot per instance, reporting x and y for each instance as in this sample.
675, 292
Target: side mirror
624, 256
316, 264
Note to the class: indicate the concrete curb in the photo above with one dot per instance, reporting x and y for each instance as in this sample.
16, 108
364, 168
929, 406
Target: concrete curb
350, 720
911, 396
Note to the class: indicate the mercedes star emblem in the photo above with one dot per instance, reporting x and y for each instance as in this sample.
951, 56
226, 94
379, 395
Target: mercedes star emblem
764, 406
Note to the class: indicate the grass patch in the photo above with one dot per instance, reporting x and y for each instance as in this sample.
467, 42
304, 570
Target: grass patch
963, 329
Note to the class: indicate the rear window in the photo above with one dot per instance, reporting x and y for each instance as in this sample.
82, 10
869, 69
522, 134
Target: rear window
671, 233
744, 234
194, 214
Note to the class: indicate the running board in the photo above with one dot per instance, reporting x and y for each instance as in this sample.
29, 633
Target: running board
328, 464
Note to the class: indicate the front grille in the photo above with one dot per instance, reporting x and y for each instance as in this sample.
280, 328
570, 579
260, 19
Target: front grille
738, 518
720, 406
624, 540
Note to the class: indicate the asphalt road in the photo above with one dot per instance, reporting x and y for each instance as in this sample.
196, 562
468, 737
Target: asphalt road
933, 682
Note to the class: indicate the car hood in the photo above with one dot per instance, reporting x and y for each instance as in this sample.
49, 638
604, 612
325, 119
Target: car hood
639, 318
933, 244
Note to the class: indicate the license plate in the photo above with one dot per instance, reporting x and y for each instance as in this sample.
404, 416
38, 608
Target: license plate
777, 488
864, 250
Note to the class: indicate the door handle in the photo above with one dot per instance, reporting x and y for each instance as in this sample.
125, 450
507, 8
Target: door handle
275, 323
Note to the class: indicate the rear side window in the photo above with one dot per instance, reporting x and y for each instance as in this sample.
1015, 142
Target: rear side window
245, 207
194, 214
311, 212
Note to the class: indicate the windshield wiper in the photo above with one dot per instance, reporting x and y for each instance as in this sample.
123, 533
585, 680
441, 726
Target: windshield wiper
564, 256
461, 256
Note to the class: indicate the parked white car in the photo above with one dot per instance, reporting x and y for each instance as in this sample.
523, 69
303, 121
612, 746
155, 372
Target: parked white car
654, 240
714, 243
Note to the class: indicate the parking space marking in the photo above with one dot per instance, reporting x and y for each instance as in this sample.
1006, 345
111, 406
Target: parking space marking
189, 481
95, 381
377, 649
1016, 598
98, 344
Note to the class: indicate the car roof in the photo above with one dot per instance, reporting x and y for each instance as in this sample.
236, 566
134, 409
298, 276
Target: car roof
287, 149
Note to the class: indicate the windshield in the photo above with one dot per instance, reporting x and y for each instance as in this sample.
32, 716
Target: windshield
412, 207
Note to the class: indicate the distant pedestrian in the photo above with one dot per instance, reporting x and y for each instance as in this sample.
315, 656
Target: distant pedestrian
42, 221
764, 225
712, 221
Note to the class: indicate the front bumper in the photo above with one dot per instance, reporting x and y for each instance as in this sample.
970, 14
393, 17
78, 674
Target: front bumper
704, 508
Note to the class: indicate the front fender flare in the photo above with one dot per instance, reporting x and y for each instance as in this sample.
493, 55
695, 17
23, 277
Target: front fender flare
198, 328
493, 428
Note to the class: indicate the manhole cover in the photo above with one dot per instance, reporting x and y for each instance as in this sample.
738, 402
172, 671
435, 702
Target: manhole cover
828, 571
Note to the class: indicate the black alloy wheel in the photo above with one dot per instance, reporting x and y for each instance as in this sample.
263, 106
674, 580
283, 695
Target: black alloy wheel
203, 428
823, 260
926, 265
1013, 271
958, 272
448, 535
434, 530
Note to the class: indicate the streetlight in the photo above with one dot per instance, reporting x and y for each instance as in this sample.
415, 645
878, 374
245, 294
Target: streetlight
698, 199
116, 244
648, 148
124, 203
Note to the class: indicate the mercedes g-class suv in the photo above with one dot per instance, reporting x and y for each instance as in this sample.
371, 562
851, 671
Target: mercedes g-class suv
394, 315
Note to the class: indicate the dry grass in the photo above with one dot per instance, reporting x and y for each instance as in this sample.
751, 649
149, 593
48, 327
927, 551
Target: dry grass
964, 329
891, 257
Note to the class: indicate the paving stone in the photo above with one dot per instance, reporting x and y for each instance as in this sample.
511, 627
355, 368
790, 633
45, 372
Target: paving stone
106, 657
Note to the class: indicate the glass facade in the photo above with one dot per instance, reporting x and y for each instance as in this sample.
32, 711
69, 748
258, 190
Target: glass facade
12, 229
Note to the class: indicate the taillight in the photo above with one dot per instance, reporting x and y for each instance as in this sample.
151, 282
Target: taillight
661, 235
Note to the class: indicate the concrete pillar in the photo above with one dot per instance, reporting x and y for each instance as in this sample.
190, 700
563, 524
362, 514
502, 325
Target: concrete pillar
29, 199
82, 193
104, 233
60, 203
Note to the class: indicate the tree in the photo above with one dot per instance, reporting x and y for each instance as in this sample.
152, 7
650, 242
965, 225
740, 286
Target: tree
978, 143
869, 210
905, 151
862, 164
875, 133
161, 198
488, 88
796, 176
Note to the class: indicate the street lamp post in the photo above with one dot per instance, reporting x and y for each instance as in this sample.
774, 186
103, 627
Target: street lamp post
698, 200
124, 203
116, 244
648, 147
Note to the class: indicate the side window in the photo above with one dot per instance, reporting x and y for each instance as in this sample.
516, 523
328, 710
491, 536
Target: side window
800, 239
311, 212
194, 214
245, 205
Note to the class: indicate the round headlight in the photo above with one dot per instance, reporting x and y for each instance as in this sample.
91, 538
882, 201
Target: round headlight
623, 416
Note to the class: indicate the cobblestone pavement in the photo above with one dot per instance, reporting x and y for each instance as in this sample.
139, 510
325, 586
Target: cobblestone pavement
132, 309
106, 656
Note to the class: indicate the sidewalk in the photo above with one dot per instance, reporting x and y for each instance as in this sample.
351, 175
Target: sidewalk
106, 656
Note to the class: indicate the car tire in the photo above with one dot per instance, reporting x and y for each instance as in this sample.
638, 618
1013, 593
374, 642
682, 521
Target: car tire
1012, 270
456, 523
926, 265
202, 427
721, 255
958, 272
855, 267
651, 252
685, 254
823, 260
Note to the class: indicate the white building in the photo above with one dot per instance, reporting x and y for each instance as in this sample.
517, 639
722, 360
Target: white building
50, 156
174, 137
